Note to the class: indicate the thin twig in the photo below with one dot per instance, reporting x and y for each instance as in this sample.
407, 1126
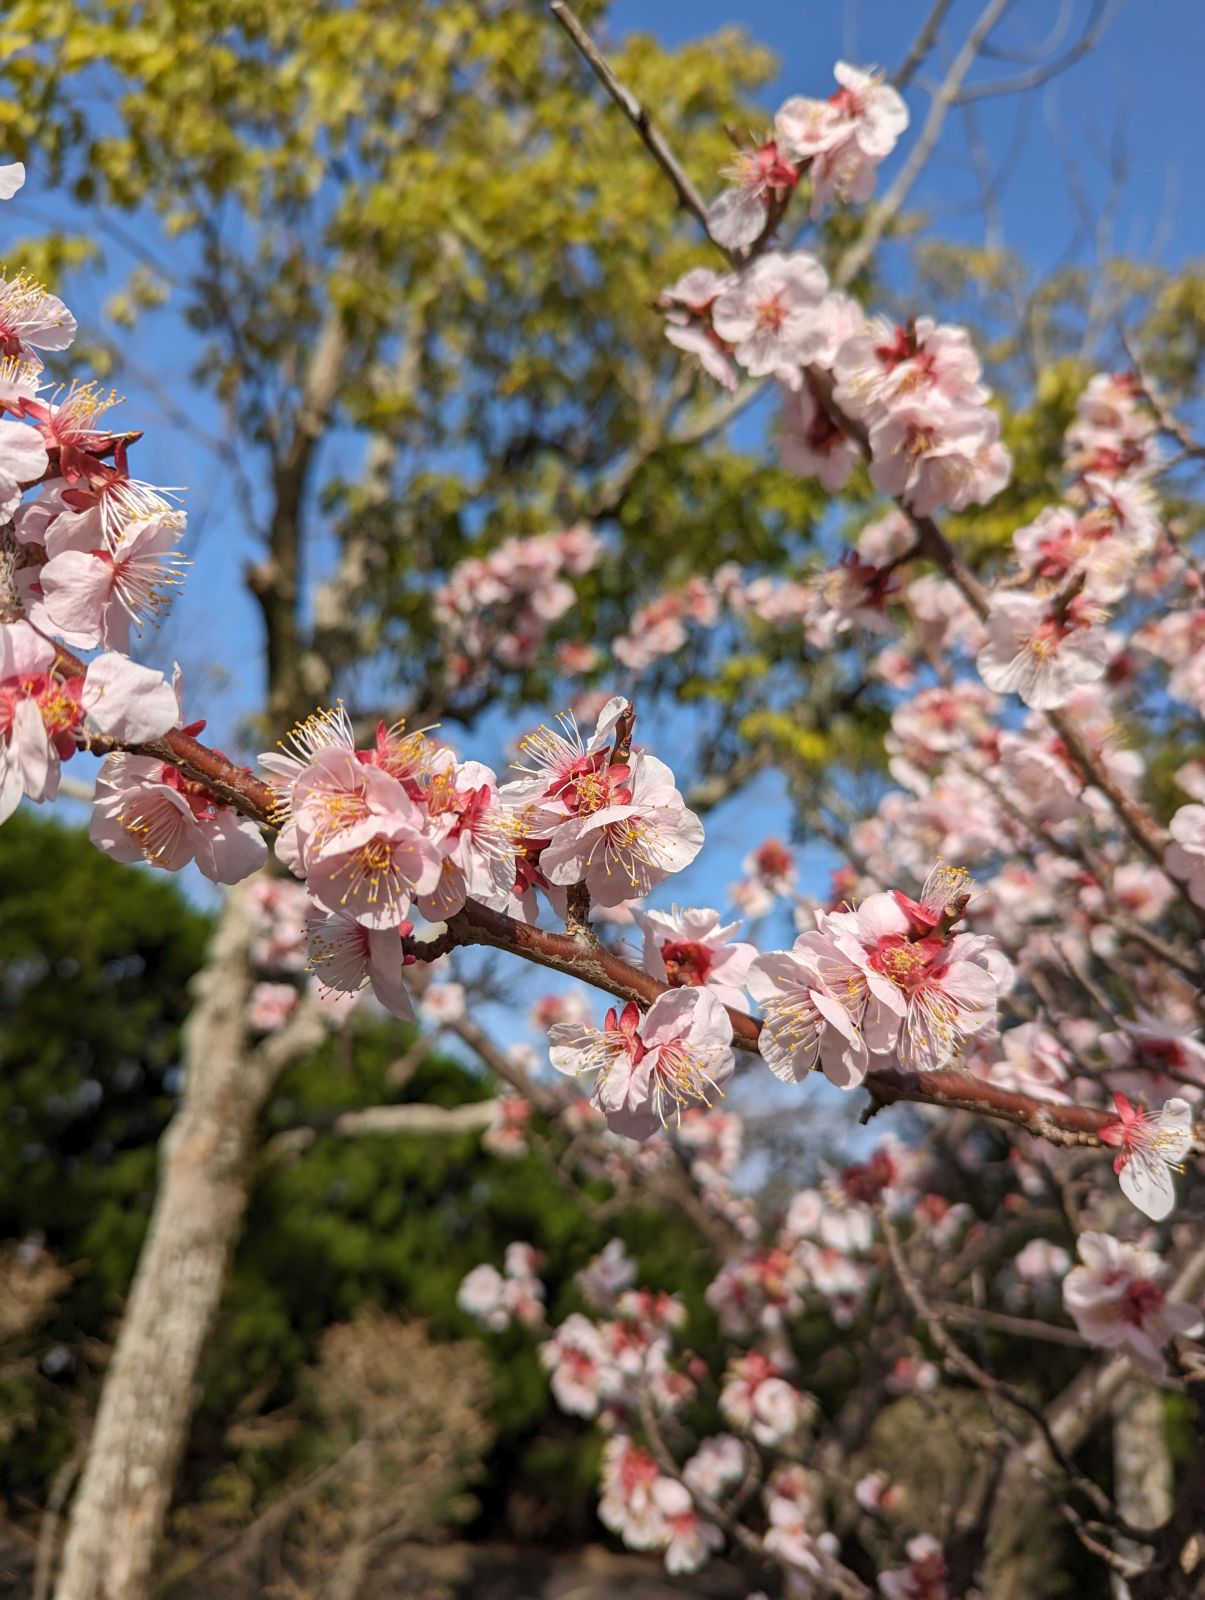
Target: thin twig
946, 97
921, 45
957, 1358
1102, 15
636, 114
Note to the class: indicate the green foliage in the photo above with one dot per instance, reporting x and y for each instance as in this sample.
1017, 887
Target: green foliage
441, 185
95, 961
397, 1223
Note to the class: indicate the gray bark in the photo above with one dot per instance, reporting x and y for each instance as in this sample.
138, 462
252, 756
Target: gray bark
119, 1509
1142, 1468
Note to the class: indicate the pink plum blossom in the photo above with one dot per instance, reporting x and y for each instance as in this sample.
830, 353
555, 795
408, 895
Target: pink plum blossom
1149, 1147
853, 594
556, 757
762, 178
321, 730
1113, 432
506, 1135
92, 597
651, 1068
692, 947
811, 443
23, 460
688, 306
690, 1540
12, 177
127, 701
31, 319
826, 1007
146, 809
1153, 1055
1116, 1301
876, 1492
770, 316
475, 831
1033, 653
924, 1578
34, 709
719, 1463
758, 1400
628, 1505
270, 1006
607, 1276
570, 1006
943, 980
497, 1299
932, 454
791, 1537
1040, 1259
911, 1375
345, 956
442, 1003
773, 865
619, 838
758, 1289
1033, 1060
844, 138
577, 1358
374, 869
1185, 856
885, 367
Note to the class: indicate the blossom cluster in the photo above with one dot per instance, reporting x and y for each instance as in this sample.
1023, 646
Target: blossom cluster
403, 826
500, 607
837, 144
92, 553
751, 1454
1047, 636
912, 396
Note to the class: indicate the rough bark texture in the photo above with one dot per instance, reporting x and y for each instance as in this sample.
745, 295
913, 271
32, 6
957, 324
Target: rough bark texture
1142, 1468
1025, 1486
118, 1512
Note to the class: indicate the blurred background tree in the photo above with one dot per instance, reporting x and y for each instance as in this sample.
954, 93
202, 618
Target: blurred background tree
96, 966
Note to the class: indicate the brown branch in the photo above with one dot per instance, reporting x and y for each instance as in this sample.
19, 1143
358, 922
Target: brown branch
1178, 1562
1023, 1327
957, 1358
921, 45
233, 785
564, 952
636, 114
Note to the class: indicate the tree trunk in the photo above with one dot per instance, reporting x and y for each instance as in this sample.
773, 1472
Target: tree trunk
118, 1513
1072, 1417
1142, 1468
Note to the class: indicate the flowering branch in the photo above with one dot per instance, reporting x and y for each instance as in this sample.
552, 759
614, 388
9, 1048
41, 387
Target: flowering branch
1138, 823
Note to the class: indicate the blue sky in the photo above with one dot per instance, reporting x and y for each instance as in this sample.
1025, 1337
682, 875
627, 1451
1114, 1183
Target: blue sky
1142, 81
1138, 92
1139, 86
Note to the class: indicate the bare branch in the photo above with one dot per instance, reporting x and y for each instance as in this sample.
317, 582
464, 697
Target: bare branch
636, 114
1102, 15
957, 1359
921, 45
389, 1120
946, 97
